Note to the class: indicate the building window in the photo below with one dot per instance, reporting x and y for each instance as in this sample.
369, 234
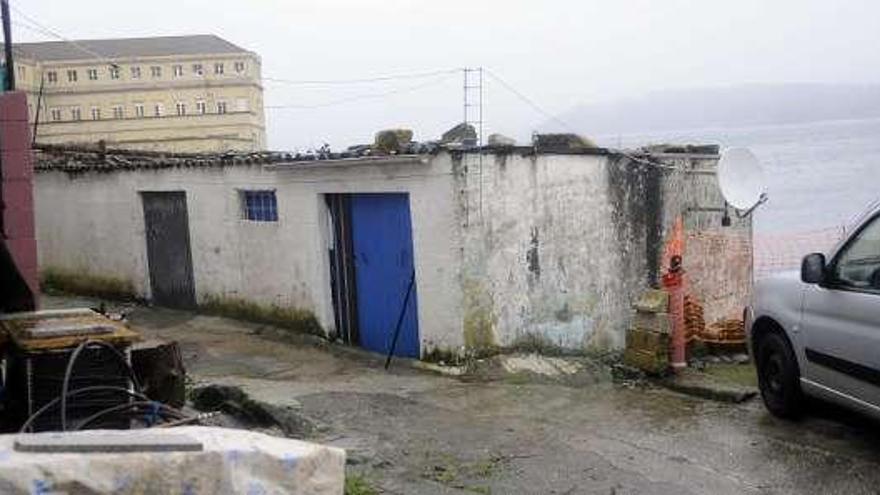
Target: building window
92, 74
156, 71
181, 108
56, 114
71, 75
221, 107
52, 76
114, 72
201, 108
197, 70
135, 72
259, 206
75, 113
96, 113
118, 112
139, 110
239, 67
218, 68
157, 110
22, 72
178, 71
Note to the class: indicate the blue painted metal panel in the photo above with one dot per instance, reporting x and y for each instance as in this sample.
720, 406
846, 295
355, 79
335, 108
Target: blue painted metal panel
382, 242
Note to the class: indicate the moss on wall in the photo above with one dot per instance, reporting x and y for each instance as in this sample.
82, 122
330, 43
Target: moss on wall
86, 284
296, 319
479, 322
444, 356
537, 343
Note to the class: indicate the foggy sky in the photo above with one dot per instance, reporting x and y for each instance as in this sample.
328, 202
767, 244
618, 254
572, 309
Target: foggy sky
558, 53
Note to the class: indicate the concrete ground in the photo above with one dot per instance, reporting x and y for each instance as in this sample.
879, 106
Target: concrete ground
409, 431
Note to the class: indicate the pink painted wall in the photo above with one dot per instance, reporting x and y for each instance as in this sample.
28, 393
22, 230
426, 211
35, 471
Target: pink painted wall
16, 160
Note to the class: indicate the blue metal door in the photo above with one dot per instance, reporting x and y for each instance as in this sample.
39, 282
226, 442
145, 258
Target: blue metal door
382, 245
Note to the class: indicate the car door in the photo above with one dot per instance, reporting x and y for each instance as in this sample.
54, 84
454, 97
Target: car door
841, 319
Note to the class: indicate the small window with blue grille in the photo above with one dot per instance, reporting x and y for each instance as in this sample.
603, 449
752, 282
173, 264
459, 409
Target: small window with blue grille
259, 206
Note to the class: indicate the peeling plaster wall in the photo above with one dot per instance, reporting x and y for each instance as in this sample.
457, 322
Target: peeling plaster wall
557, 247
549, 252
92, 222
553, 247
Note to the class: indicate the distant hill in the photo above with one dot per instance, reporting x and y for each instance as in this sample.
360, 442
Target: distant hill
733, 106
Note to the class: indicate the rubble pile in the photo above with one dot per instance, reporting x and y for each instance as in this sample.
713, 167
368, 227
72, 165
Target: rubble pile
728, 331
694, 322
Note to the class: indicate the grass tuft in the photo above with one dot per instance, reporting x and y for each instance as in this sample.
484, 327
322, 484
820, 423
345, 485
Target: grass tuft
296, 319
86, 284
356, 484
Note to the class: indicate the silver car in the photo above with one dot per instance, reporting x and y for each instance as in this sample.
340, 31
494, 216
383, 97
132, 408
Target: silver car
817, 333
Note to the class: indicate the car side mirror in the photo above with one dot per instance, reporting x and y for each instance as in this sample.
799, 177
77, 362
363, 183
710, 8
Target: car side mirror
813, 268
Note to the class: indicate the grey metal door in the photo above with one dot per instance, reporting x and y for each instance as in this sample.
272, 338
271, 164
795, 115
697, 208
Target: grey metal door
168, 252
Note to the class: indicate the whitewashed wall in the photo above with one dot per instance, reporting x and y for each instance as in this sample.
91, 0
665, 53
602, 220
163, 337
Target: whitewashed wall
544, 257
559, 246
556, 246
92, 223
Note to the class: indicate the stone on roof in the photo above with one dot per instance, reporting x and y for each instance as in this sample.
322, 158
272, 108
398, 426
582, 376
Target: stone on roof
500, 140
391, 141
569, 141
463, 133
120, 48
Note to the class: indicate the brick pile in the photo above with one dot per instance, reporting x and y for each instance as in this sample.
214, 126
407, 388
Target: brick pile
694, 321
728, 331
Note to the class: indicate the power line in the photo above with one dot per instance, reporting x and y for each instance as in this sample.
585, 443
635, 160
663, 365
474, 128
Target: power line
28, 27
55, 34
306, 82
529, 101
360, 97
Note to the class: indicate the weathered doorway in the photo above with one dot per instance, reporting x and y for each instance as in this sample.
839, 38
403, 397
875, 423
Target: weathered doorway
372, 270
383, 255
168, 250
342, 276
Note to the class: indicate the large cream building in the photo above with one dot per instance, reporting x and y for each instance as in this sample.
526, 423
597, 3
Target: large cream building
181, 93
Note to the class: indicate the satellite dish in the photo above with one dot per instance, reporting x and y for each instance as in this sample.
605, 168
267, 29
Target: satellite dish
741, 178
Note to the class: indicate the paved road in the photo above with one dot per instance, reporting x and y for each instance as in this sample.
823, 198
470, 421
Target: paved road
411, 432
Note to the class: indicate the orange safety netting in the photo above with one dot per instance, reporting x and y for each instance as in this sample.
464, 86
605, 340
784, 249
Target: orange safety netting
784, 251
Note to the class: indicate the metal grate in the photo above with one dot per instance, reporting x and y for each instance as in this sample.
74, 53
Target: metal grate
260, 206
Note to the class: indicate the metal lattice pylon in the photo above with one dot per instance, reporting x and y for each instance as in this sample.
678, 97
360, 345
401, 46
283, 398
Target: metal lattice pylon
472, 110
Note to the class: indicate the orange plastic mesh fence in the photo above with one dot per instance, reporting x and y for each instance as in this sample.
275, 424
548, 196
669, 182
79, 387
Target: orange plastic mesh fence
784, 251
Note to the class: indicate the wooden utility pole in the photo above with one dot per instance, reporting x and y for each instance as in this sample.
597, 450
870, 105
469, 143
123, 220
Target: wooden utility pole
7, 45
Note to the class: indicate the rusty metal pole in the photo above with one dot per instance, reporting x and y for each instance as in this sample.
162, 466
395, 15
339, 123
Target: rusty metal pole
674, 284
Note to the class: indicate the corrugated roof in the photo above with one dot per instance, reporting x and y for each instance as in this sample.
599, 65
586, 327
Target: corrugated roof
56, 51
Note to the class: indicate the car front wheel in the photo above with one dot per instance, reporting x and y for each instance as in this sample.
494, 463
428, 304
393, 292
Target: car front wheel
778, 376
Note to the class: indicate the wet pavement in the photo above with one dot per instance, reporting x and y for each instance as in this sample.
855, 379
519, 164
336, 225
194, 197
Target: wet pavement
409, 431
